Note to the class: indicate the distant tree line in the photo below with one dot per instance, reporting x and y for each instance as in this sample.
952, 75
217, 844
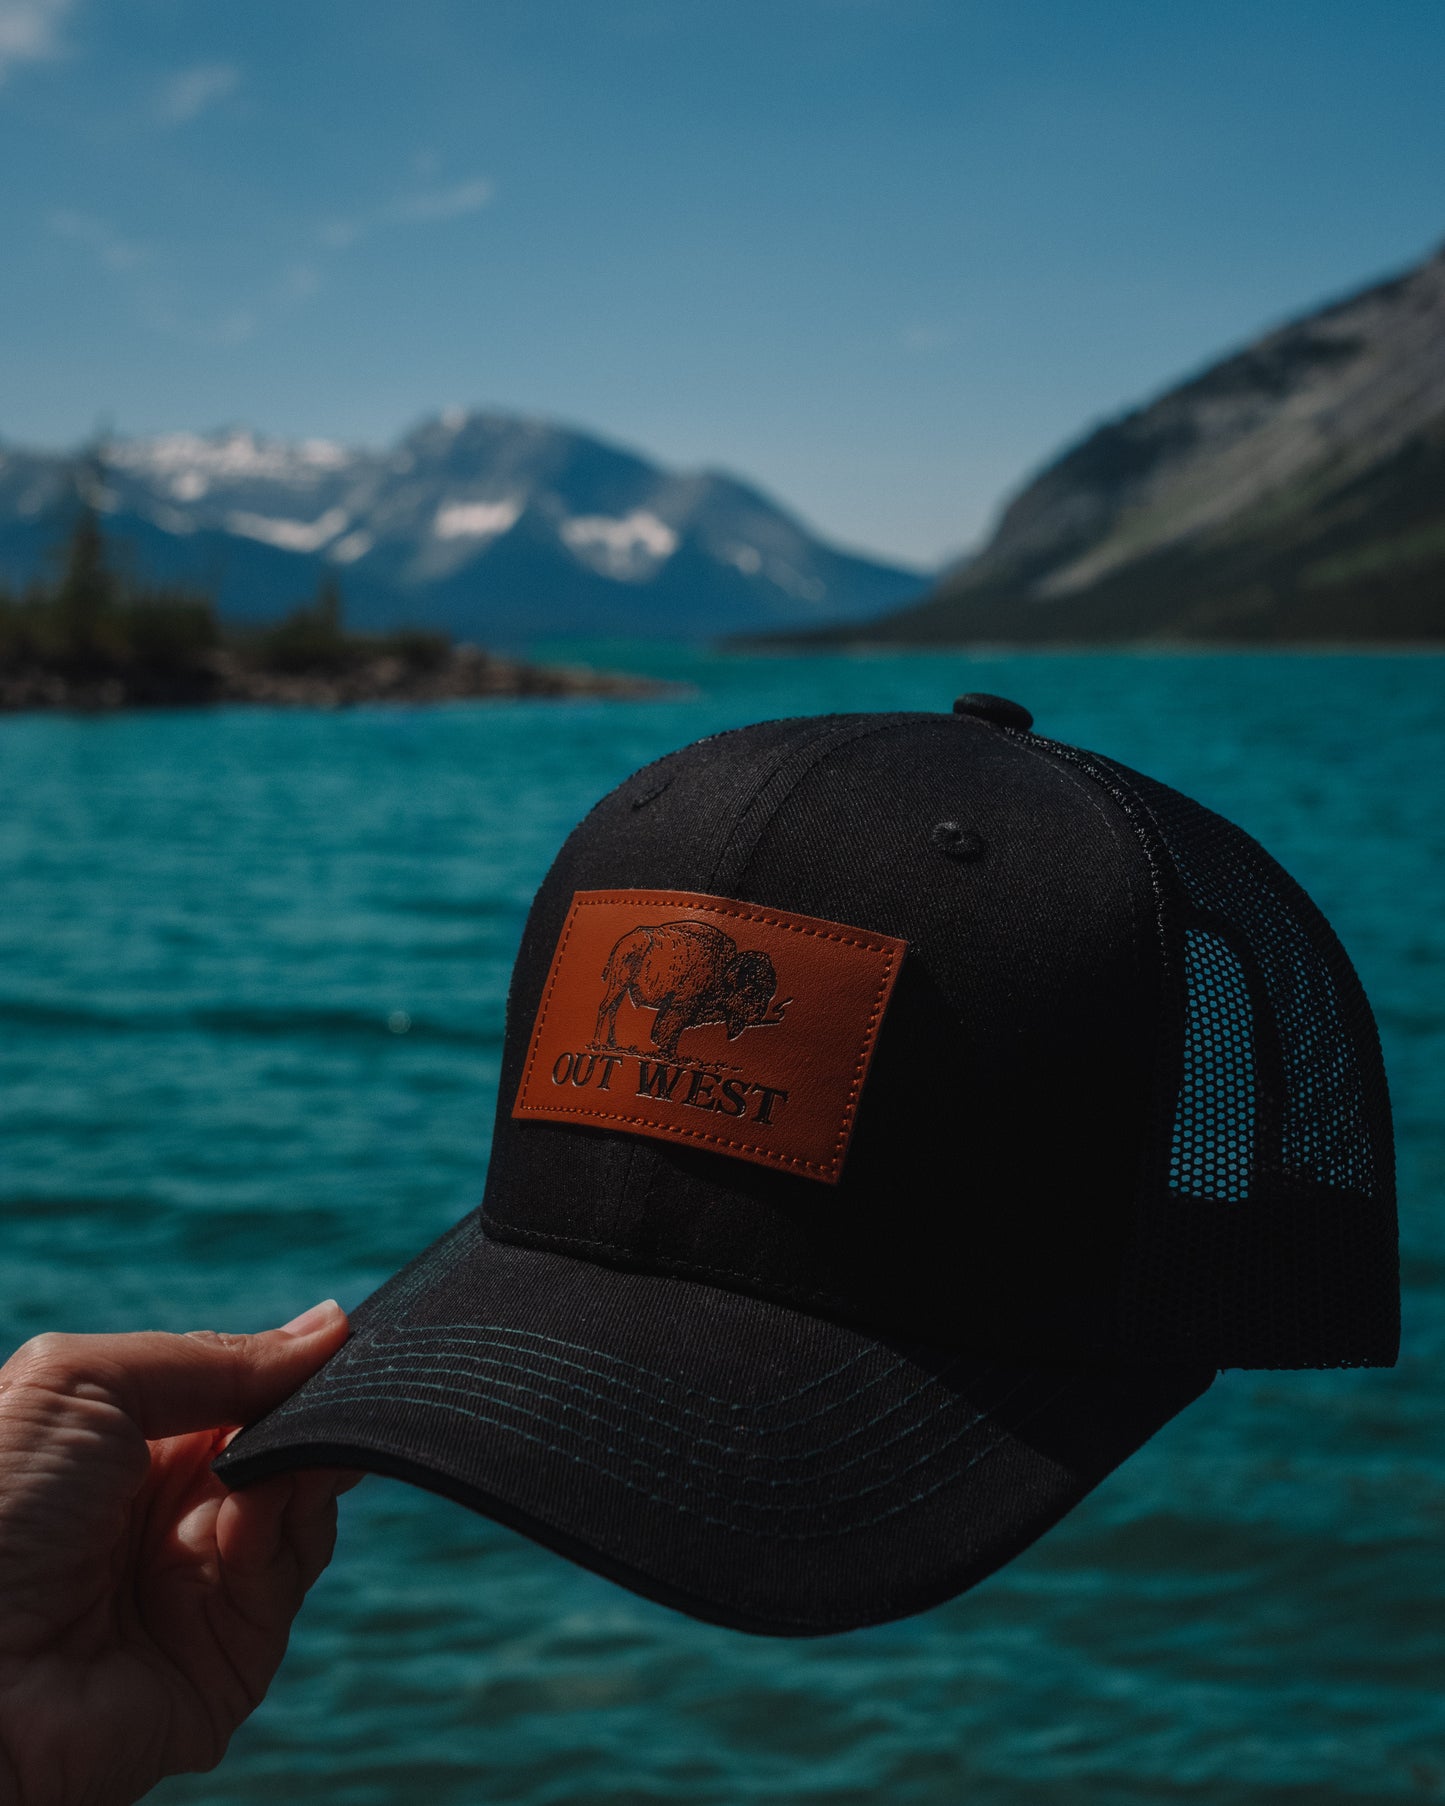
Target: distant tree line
91, 621
313, 638
88, 621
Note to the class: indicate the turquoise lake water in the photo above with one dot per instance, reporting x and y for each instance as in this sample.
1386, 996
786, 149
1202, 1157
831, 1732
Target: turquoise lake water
252, 971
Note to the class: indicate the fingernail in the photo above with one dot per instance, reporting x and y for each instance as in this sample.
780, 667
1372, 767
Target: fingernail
311, 1320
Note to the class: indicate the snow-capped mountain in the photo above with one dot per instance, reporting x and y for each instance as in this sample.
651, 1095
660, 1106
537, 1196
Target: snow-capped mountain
498, 528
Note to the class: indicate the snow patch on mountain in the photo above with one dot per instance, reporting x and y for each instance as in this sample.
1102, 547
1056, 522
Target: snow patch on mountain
475, 520
291, 535
794, 583
355, 545
211, 458
628, 548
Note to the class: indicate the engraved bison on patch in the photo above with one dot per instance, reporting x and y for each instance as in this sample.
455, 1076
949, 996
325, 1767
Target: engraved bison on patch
690, 973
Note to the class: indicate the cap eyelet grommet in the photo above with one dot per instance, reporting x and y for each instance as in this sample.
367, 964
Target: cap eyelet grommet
956, 842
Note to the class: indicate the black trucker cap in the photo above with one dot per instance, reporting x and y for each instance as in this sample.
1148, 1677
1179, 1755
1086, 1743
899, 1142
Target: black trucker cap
902, 1117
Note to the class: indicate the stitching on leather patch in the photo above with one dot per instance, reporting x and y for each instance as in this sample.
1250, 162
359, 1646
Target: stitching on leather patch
712, 1022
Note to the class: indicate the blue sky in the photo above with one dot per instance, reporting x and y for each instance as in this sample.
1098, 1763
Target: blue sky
882, 257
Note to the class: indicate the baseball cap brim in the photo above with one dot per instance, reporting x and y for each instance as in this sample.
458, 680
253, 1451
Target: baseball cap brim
750, 1464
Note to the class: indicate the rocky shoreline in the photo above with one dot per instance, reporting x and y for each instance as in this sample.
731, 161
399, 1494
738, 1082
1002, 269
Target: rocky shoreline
223, 677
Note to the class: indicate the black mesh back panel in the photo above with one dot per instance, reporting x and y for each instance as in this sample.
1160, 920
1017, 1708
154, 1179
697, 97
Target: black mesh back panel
1266, 1232
1211, 1150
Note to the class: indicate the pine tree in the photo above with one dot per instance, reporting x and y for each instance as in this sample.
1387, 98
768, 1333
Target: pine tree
85, 595
311, 637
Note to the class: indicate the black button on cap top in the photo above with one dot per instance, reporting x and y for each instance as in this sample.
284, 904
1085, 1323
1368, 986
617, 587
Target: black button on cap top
997, 709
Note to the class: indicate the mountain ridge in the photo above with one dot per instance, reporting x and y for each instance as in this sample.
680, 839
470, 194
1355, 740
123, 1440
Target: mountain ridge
488, 525
1291, 490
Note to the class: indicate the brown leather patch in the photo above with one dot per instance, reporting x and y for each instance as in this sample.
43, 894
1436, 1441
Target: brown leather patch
704, 1020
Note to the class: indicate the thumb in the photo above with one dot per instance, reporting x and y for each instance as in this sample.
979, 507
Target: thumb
168, 1385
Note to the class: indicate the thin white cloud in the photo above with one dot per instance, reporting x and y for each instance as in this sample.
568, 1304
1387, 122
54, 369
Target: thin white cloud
188, 93
30, 31
158, 313
232, 328
444, 203
159, 293
102, 241
922, 338
300, 282
155, 296
423, 207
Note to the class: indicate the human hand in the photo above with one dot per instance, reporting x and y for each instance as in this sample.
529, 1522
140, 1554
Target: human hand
144, 1608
